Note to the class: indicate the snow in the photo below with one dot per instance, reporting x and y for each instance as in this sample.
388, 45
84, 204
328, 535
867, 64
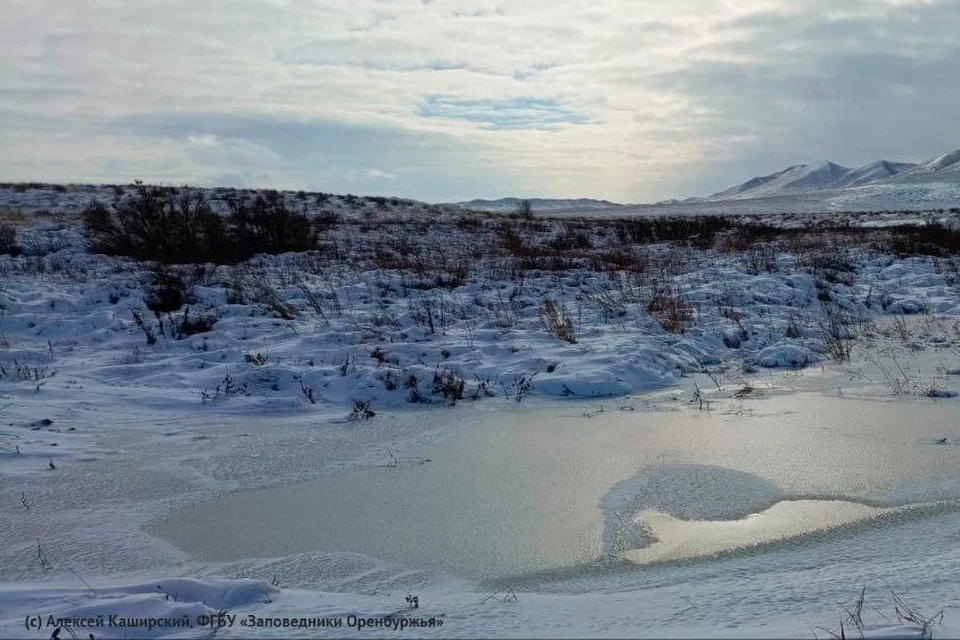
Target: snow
102, 433
784, 354
826, 186
871, 172
946, 162
795, 179
509, 205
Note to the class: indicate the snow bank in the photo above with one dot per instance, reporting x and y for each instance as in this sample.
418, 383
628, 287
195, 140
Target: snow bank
785, 354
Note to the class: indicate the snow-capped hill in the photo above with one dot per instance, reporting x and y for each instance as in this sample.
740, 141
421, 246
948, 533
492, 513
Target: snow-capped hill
796, 179
871, 173
881, 184
537, 204
752, 184
946, 162
813, 176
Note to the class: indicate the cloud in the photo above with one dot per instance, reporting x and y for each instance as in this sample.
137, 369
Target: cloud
464, 98
204, 140
376, 173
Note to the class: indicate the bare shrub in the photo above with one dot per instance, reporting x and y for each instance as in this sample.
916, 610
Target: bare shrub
179, 227
522, 386
482, 389
250, 286
557, 321
19, 372
379, 354
8, 239
142, 325
622, 258
933, 238
257, 359
167, 290
835, 333
266, 225
361, 410
670, 309
760, 260
571, 239
449, 385
307, 393
696, 230
226, 388
906, 612
323, 305
158, 223
412, 384
852, 617
899, 380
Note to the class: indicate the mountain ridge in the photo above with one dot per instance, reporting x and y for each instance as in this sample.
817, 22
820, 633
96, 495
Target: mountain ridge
827, 176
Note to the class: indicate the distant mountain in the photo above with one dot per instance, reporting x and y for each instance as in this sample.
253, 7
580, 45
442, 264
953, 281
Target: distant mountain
506, 205
752, 184
871, 173
940, 164
796, 179
831, 178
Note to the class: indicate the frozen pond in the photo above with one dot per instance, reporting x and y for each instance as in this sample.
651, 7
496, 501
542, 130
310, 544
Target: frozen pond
535, 490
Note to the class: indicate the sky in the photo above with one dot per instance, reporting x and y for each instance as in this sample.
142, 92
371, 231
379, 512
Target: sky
445, 100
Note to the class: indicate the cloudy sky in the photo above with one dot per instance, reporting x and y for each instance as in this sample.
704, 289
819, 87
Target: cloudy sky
632, 101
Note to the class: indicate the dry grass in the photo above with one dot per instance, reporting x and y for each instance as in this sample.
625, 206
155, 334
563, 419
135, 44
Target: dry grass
852, 617
557, 321
668, 307
16, 217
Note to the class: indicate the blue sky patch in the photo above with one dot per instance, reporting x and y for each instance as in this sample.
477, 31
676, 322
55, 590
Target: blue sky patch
510, 113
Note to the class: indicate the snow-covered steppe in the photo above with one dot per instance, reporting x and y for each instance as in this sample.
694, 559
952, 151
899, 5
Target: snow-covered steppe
747, 425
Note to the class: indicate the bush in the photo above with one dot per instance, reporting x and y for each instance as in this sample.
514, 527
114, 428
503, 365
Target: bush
361, 410
933, 238
265, 225
8, 239
449, 385
525, 210
699, 231
167, 291
179, 227
157, 223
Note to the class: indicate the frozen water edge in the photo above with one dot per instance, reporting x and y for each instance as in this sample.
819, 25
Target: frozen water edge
530, 490
89, 520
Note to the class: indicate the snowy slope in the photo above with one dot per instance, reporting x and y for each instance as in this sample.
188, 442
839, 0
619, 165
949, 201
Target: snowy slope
827, 186
752, 184
871, 172
946, 162
795, 179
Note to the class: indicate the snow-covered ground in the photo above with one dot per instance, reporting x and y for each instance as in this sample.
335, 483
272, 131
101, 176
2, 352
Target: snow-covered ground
108, 423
